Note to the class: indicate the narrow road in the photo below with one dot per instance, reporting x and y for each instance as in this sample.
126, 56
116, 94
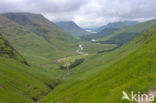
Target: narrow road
80, 51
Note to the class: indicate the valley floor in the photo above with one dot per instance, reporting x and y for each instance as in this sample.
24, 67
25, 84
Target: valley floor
131, 67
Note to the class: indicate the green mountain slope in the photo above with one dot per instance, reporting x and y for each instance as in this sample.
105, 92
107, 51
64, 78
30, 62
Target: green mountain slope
117, 25
72, 28
39, 25
108, 29
103, 77
126, 34
20, 82
37, 39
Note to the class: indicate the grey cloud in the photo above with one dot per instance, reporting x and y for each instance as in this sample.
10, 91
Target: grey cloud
85, 12
47, 6
54, 6
117, 10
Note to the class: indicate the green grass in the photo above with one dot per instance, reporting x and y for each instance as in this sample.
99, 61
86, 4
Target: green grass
103, 77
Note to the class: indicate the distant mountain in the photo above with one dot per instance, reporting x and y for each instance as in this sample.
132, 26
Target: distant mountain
117, 25
36, 38
72, 28
126, 34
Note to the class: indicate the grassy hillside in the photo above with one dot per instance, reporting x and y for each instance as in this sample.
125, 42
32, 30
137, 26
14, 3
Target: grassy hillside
103, 77
20, 82
126, 34
72, 28
37, 39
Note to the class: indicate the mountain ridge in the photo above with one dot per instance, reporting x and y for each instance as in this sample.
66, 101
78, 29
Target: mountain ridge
117, 25
46, 37
72, 28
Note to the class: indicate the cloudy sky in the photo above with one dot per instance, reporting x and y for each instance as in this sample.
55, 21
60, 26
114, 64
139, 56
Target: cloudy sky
86, 13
